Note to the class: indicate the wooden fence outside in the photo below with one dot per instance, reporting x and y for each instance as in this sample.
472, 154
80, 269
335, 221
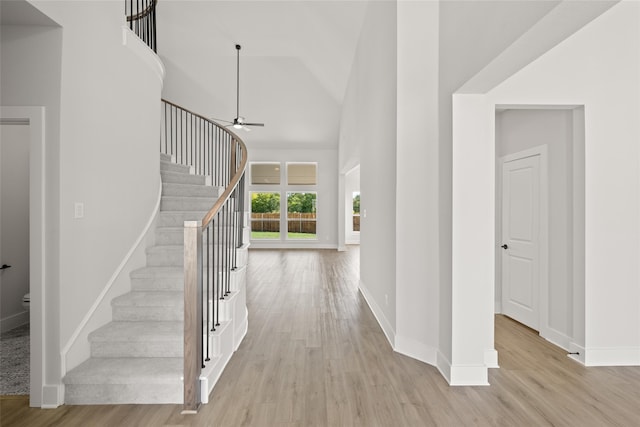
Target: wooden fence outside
297, 222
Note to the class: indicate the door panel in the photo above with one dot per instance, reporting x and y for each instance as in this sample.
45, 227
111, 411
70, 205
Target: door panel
520, 232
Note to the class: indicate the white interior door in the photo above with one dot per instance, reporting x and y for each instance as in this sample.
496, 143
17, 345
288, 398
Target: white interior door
521, 240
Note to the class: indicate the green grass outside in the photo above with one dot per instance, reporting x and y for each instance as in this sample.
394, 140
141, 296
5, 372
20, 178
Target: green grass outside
257, 235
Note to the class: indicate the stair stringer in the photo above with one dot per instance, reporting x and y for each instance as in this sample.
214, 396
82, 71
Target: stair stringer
77, 347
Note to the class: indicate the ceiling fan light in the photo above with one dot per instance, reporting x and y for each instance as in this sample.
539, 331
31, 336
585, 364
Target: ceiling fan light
237, 126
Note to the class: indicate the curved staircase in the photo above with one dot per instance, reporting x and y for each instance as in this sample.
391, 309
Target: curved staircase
138, 356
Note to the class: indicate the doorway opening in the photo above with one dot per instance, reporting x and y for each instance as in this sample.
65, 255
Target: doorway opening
352, 207
34, 118
539, 213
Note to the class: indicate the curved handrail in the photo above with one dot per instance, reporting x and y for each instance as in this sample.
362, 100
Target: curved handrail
200, 116
240, 169
143, 13
233, 183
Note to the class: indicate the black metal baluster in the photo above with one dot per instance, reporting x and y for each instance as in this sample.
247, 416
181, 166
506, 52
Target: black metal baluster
217, 273
208, 296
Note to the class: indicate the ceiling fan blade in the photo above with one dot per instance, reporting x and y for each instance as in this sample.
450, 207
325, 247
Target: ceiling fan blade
245, 128
253, 124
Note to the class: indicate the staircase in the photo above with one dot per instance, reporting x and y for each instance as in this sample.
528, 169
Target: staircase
138, 356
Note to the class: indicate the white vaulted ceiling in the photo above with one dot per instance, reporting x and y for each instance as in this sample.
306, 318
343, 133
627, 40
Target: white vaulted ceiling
294, 64
297, 55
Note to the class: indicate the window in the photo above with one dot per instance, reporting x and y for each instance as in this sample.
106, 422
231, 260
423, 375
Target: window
284, 202
301, 174
265, 173
301, 215
265, 215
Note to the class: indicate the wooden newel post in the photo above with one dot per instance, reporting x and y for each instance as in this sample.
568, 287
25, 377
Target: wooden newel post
192, 315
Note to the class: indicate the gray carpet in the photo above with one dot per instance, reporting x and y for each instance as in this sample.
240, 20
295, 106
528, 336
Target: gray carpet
14, 361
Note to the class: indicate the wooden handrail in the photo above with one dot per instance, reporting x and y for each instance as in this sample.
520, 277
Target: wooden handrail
237, 173
144, 13
232, 185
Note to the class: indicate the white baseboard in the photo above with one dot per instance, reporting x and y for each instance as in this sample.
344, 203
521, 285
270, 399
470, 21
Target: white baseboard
612, 356
378, 314
290, 244
416, 350
52, 396
462, 375
11, 322
444, 366
469, 375
579, 349
556, 338
491, 358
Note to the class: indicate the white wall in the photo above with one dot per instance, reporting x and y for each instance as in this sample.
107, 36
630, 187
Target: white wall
417, 168
327, 193
106, 157
598, 67
368, 137
519, 130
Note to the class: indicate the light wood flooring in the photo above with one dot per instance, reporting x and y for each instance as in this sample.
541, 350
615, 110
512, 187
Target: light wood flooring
315, 356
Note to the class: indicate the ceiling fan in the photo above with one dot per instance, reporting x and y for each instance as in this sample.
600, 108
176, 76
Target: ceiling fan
239, 121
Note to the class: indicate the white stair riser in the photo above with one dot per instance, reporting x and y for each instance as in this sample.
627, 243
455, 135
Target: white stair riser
138, 349
105, 394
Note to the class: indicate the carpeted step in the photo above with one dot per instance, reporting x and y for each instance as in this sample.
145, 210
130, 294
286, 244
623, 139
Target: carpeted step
157, 279
138, 339
186, 203
173, 189
165, 256
177, 219
139, 306
137, 380
181, 178
175, 235
174, 167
